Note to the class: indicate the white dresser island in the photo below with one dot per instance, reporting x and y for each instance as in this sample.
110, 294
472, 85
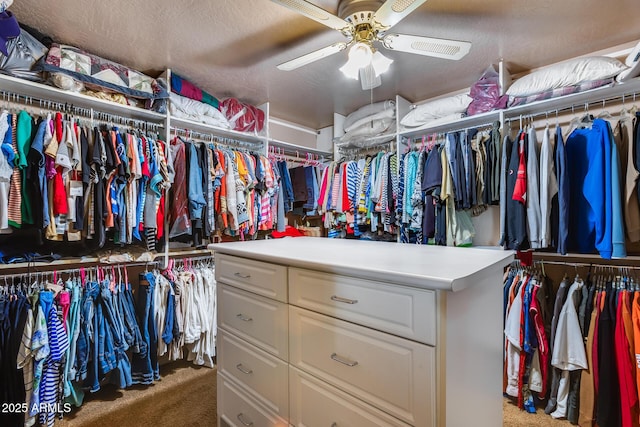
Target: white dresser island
334, 333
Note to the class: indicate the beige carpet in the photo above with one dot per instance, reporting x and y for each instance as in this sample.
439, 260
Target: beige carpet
185, 396
514, 417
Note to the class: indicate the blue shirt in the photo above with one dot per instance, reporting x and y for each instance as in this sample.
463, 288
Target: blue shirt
590, 203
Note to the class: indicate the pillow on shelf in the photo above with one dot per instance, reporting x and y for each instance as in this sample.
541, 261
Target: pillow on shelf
100, 74
358, 136
633, 62
568, 73
449, 118
424, 113
384, 114
191, 109
366, 111
184, 87
554, 93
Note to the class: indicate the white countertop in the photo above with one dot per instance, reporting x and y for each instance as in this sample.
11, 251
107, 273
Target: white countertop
424, 266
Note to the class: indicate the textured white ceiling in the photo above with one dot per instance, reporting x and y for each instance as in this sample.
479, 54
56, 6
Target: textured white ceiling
231, 48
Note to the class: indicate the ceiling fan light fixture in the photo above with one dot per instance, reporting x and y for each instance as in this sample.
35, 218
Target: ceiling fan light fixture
350, 69
361, 55
380, 63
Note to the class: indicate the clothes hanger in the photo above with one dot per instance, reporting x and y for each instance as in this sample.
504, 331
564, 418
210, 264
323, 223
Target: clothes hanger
624, 113
580, 122
604, 114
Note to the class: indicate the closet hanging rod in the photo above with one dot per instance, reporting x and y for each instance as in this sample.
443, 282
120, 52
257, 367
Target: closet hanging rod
581, 107
364, 152
40, 269
113, 120
293, 148
566, 264
191, 259
211, 138
582, 264
43, 104
376, 146
479, 128
69, 108
296, 154
294, 159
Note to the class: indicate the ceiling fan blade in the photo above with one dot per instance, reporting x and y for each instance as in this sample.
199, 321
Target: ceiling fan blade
393, 11
428, 46
314, 12
312, 57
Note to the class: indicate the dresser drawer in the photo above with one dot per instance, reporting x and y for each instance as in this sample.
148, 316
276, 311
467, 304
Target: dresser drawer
400, 310
262, 278
261, 321
264, 375
393, 374
236, 409
315, 403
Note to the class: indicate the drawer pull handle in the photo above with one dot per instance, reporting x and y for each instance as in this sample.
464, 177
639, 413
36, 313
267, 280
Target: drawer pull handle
242, 276
243, 317
241, 418
347, 362
345, 300
244, 371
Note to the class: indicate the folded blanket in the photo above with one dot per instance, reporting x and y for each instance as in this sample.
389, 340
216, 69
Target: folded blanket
197, 111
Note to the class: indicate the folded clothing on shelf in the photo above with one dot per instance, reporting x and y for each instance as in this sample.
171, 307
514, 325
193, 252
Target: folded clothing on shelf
188, 108
242, 117
99, 74
184, 87
27, 257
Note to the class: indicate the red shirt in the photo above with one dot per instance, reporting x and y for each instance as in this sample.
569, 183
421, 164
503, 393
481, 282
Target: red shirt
520, 190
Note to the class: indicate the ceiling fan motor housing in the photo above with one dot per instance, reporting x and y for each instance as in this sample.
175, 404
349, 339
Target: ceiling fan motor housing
358, 11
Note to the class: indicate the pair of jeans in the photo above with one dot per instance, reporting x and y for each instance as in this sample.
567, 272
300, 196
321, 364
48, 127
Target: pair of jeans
167, 335
115, 356
86, 335
137, 344
102, 352
99, 348
144, 369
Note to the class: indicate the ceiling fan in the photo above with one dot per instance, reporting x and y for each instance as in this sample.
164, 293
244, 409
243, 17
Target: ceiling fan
365, 24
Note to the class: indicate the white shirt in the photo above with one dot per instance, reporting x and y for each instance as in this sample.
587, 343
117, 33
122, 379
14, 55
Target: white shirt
568, 348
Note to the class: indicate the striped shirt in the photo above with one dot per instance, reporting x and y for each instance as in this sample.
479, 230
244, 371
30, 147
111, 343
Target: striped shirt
15, 191
51, 385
